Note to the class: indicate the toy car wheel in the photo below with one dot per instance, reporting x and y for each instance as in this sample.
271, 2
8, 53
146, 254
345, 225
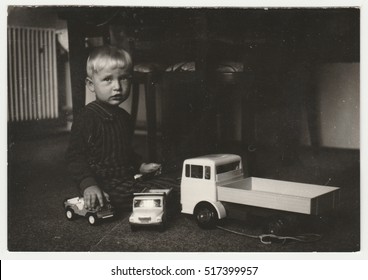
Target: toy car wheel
92, 219
69, 213
206, 216
133, 228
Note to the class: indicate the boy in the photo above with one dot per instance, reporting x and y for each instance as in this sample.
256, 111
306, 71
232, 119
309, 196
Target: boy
100, 156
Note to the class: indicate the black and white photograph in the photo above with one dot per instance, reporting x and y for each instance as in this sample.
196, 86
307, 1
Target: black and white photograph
183, 129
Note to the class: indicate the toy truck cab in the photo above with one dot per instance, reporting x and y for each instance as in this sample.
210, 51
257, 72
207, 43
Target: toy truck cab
198, 185
149, 209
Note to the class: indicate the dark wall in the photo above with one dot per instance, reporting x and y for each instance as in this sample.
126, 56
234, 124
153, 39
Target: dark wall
285, 49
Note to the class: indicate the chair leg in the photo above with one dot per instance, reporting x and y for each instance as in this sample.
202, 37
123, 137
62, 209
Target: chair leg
77, 56
135, 103
151, 118
248, 127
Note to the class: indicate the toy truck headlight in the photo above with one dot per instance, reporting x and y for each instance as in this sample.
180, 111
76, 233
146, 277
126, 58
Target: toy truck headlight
159, 219
131, 219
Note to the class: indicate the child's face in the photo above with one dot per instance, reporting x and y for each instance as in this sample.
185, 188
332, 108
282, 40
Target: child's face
111, 85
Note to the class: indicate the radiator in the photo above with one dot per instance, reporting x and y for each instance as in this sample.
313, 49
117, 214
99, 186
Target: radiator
32, 74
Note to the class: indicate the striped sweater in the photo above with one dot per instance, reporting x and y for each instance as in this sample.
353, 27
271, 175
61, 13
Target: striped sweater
100, 150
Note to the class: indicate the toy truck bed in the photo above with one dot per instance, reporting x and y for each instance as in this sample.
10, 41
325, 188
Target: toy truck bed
280, 195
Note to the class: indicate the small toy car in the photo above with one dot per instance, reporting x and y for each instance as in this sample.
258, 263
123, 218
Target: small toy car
75, 207
150, 209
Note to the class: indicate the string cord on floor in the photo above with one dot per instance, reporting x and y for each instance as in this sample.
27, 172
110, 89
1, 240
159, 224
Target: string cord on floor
268, 238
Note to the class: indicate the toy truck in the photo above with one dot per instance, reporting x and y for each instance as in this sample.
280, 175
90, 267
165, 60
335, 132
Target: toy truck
75, 207
150, 208
212, 183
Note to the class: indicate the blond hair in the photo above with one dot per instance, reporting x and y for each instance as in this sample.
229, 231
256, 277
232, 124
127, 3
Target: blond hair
108, 56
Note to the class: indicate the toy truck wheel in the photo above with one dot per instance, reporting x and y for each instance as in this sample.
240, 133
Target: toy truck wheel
206, 216
92, 219
69, 213
133, 228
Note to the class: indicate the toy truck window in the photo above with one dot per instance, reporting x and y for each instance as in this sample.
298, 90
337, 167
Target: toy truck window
147, 203
228, 167
194, 171
187, 170
207, 172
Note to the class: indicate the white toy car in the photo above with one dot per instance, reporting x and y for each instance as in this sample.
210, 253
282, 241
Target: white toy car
150, 209
75, 207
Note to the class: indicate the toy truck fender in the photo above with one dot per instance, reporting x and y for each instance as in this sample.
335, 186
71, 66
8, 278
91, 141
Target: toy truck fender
217, 205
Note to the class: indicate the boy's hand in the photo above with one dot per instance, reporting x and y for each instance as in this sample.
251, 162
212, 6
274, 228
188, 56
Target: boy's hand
92, 195
150, 168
